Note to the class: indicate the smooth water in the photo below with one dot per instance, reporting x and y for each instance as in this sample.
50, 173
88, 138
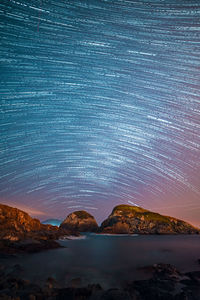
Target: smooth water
110, 260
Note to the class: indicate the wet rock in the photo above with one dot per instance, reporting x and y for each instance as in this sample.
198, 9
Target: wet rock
166, 271
36, 245
153, 289
188, 294
6, 255
115, 294
166, 283
28, 246
74, 294
15, 271
75, 282
91, 292
52, 283
31, 297
147, 269
95, 287
194, 276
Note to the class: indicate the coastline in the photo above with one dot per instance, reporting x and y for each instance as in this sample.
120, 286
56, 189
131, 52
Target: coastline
165, 282
81, 258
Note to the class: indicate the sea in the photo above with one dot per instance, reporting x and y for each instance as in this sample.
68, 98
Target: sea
110, 260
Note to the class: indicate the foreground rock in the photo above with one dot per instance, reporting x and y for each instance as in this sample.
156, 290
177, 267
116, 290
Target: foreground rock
166, 283
134, 219
80, 221
21, 233
9, 249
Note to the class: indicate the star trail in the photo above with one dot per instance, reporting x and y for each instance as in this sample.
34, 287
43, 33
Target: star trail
100, 105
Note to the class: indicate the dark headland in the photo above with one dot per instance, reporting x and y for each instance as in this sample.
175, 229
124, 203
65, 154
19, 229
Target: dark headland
22, 235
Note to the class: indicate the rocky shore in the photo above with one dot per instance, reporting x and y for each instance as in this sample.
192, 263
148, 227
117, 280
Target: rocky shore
19, 233
128, 219
165, 283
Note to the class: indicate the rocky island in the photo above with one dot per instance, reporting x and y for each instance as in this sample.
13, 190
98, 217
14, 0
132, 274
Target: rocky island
80, 221
137, 220
18, 231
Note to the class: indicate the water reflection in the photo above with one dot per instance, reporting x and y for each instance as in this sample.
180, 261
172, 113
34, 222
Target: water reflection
110, 260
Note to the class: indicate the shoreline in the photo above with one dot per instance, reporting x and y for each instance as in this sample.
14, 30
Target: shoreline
100, 266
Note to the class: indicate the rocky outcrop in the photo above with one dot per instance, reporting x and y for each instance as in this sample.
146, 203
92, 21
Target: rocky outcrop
16, 225
134, 219
80, 221
20, 233
10, 249
165, 283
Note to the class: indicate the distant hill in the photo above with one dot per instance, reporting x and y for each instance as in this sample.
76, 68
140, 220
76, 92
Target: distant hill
54, 222
135, 219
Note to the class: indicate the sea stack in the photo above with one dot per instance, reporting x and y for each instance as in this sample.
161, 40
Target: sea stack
133, 219
80, 221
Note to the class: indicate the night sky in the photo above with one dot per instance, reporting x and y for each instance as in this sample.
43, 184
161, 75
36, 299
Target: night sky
100, 105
